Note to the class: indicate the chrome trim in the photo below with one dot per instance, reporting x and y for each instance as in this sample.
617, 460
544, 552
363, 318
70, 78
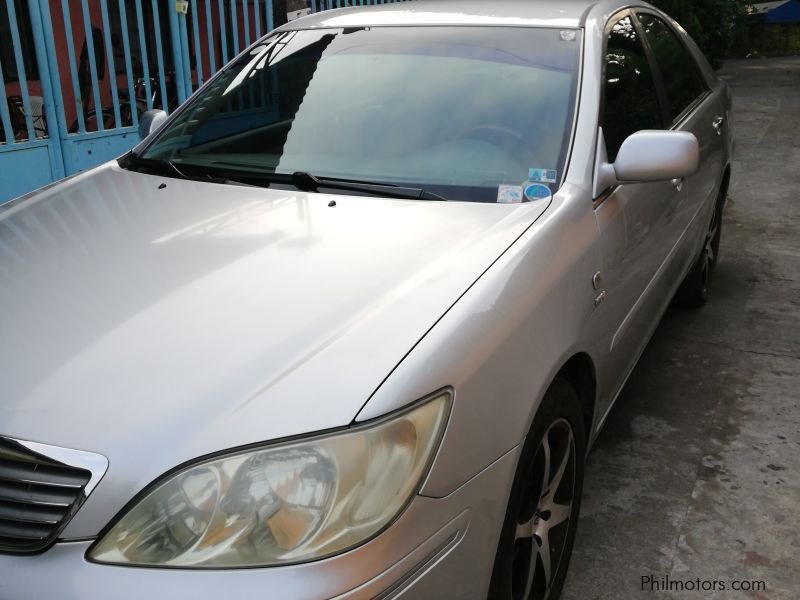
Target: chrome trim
96, 464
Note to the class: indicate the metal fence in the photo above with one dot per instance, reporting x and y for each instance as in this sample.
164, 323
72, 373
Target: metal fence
76, 75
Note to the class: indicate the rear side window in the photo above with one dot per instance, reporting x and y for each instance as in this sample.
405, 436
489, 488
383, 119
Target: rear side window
631, 100
682, 81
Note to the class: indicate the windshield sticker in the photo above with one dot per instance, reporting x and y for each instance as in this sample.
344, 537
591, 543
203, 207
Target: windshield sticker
509, 194
568, 35
537, 191
543, 175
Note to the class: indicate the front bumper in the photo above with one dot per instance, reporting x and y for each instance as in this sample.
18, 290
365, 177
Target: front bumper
438, 548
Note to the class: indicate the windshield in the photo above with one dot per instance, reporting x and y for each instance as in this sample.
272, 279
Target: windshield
467, 113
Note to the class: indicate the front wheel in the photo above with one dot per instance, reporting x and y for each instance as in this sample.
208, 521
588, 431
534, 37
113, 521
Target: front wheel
542, 515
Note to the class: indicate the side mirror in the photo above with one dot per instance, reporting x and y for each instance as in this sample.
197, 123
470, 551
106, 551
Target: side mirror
648, 156
150, 122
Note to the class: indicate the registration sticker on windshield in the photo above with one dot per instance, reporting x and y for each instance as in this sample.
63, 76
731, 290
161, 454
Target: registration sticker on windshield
543, 175
537, 191
509, 194
568, 35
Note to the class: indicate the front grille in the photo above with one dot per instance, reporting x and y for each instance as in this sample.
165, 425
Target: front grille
38, 496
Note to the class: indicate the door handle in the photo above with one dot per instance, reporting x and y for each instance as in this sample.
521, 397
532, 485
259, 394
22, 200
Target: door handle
678, 184
718, 124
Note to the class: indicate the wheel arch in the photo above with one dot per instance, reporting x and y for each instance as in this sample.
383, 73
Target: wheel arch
580, 372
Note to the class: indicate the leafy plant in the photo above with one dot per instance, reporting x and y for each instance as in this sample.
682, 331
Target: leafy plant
712, 23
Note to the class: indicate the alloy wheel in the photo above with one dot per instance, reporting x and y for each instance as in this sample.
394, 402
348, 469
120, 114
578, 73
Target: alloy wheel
544, 514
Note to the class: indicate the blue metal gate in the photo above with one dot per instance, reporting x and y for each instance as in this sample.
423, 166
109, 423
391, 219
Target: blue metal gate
29, 155
76, 75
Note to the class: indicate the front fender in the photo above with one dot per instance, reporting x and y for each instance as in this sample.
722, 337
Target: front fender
502, 343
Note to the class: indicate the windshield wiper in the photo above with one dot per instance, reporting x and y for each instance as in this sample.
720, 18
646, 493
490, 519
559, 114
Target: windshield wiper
307, 182
154, 166
303, 181
162, 166
168, 164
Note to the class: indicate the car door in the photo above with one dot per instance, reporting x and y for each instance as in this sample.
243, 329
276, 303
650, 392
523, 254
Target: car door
639, 224
692, 106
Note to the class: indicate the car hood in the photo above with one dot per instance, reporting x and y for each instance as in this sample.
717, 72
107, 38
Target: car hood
157, 324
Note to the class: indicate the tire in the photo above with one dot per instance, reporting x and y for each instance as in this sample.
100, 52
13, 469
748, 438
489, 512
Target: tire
531, 535
694, 291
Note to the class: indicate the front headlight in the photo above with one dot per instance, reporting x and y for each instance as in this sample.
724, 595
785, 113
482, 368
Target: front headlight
284, 504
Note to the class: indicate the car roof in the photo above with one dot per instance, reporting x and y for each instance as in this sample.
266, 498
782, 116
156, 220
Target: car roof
542, 13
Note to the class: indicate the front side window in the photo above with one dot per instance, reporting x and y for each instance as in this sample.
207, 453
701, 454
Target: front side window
459, 111
631, 100
679, 70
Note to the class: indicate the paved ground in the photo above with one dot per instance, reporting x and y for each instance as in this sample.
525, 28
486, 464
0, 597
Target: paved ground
697, 473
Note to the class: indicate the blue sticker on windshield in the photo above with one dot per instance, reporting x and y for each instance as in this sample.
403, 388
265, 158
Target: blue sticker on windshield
537, 191
543, 175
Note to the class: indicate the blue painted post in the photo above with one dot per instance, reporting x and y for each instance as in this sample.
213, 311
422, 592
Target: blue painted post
87, 25
246, 15
51, 90
270, 19
112, 70
212, 58
177, 55
257, 17
198, 55
186, 68
23, 80
160, 57
235, 25
4, 116
145, 60
126, 46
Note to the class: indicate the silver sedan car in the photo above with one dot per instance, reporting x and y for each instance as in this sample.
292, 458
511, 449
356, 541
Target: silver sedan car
347, 323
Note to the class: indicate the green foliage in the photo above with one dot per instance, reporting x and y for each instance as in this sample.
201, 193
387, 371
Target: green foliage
712, 23
767, 39
780, 40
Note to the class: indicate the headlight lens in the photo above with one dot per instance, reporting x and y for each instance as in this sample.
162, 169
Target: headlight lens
279, 505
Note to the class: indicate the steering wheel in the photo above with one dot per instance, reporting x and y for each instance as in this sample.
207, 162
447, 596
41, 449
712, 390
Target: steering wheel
507, 139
